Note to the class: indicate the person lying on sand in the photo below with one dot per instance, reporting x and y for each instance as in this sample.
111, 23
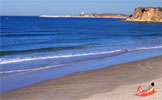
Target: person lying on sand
150, 89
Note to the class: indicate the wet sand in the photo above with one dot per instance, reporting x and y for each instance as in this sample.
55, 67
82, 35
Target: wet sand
116, 82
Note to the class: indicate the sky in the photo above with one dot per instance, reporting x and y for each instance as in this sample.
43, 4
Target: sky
72, 7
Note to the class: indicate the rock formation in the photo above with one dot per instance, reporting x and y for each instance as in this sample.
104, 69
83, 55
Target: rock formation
148, 14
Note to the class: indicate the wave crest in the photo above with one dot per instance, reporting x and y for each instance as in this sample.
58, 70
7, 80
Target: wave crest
6, 61
16, 60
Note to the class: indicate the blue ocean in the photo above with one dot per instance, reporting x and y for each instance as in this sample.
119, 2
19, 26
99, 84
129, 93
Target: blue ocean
36, 48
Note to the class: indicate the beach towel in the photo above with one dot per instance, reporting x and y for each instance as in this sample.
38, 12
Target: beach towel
145, 94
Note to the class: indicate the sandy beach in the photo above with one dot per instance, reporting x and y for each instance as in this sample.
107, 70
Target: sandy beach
116, 82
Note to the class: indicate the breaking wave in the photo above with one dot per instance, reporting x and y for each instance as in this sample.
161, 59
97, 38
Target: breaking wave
16, 60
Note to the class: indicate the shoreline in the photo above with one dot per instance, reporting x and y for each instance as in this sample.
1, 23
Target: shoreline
48, 16
134, 21
95, 84
53, 72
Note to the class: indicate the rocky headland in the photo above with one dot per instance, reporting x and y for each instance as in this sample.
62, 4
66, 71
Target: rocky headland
146, 14
104, 15
87, 15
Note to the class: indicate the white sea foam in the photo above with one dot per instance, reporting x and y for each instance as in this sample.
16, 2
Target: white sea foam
15, 60
64, 56
32, 69
145, 48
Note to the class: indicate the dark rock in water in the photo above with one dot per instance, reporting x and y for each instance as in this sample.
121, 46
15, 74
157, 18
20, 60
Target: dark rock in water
148, 14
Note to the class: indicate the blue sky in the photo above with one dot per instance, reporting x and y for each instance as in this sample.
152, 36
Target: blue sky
72, 7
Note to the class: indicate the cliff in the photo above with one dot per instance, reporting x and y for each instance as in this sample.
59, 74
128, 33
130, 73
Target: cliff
148, 14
